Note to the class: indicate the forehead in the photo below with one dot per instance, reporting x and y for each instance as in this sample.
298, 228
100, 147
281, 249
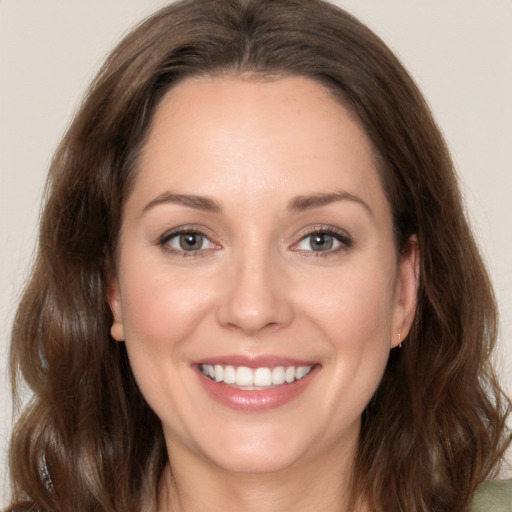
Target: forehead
234, 136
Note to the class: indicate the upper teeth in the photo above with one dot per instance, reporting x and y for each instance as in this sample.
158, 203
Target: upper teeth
254, 377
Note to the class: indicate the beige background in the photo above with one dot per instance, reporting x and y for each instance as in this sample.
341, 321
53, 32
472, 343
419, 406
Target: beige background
459, 51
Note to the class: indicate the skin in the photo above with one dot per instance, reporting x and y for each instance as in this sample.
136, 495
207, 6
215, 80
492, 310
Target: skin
258, 287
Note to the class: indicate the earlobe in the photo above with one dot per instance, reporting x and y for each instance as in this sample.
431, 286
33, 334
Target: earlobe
407, 292
114, 301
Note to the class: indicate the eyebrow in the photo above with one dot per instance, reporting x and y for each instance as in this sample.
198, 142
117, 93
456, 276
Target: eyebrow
296, 204
307, 202
191, 201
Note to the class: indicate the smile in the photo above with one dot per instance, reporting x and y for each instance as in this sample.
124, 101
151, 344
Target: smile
249, 379
259, 385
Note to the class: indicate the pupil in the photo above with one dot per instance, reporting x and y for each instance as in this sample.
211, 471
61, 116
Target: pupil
322, 242
191, 241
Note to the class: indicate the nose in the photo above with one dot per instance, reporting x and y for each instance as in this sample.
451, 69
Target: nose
255, 297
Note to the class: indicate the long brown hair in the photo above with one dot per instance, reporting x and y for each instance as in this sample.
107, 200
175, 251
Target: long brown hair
87, 440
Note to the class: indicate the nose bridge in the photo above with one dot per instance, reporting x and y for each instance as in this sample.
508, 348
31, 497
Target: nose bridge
255, 296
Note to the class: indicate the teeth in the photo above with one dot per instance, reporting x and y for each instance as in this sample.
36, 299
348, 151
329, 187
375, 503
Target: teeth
257, 378
278, 375
263, 377
219, 373
301, 372
244, 376
229, 375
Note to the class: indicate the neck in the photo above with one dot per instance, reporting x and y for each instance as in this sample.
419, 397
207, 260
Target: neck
316, 485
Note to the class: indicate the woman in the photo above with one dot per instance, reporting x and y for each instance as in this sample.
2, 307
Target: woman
255, 287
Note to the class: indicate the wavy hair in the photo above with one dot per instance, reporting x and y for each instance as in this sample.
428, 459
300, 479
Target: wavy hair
435, 428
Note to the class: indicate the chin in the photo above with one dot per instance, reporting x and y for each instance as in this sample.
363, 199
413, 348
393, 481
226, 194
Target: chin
262, 450
240, 448
256, 462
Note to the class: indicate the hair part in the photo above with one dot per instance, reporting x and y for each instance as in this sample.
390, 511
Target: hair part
438, 417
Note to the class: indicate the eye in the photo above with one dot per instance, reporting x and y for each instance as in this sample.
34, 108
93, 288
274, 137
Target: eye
186, 241
318, 242
323, 241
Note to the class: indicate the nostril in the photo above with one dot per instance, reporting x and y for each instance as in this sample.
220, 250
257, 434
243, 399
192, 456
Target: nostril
254, 297
253, 320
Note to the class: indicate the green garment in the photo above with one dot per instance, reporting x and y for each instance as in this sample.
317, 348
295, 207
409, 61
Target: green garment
495, 496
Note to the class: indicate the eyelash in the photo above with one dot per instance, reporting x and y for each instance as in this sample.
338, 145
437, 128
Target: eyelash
342, 237
164, 240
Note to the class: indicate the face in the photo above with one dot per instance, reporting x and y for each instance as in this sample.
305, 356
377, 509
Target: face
258, 288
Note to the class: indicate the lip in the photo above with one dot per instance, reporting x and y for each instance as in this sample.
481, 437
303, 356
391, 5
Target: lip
255, 400
257, 361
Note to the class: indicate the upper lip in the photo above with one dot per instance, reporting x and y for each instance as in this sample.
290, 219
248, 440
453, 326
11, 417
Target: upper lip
256, 361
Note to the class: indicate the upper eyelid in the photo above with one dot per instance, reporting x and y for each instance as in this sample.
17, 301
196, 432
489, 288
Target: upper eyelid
200, 230
331, 230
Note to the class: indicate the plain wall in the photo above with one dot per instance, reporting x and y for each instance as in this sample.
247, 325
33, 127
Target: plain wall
459, 51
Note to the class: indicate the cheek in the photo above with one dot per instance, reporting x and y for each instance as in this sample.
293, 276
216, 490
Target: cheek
161, 311
355, 308
354, 313
161, 306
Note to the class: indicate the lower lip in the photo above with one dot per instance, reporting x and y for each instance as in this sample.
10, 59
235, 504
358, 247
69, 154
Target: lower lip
255, 400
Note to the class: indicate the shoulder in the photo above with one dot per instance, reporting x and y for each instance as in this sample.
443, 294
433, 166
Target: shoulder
495, 496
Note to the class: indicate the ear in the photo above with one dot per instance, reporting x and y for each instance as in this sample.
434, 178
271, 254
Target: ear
114, 301
406, 291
